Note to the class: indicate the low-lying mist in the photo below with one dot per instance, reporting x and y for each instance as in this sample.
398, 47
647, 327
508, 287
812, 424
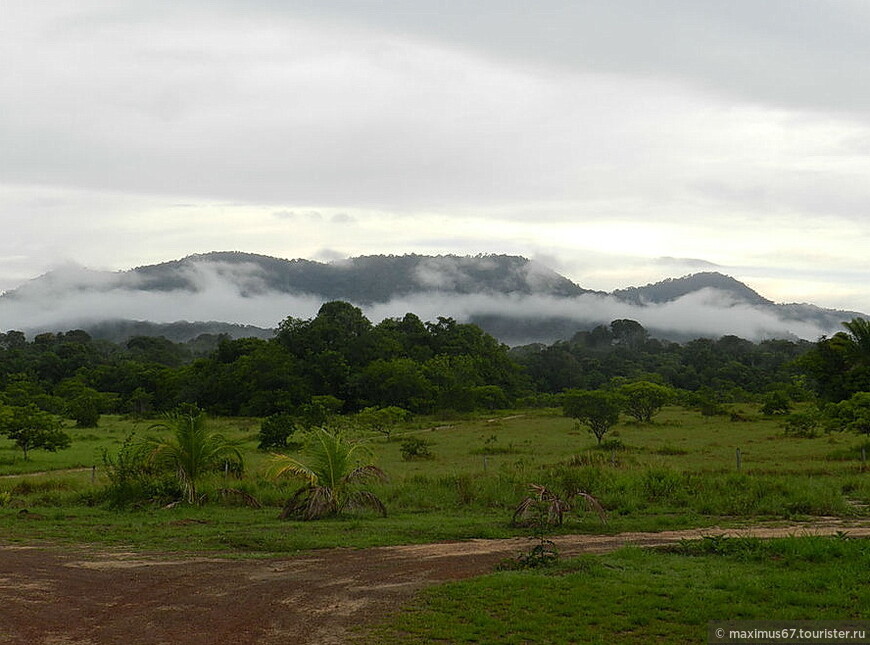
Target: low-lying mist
75, 298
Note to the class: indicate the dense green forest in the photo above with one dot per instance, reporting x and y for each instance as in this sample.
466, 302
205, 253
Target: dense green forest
342, 361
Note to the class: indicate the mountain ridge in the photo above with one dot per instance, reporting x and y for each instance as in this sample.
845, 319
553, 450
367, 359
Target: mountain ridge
514, 298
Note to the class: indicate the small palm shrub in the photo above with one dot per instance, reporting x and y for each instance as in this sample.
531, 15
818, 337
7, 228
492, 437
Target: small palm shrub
192, 451
332, 475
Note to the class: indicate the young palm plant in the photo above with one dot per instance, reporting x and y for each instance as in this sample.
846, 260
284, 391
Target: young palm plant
192, 450
544, 506
332, 475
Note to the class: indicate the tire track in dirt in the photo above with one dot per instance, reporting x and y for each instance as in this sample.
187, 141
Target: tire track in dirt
51, 596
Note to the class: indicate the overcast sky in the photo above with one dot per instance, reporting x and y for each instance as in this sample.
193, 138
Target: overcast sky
617, 141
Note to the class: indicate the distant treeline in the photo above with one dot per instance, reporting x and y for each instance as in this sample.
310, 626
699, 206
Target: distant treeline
420, 366
732, 367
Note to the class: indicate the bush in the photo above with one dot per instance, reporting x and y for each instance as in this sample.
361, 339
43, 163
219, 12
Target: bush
805, 425
132, 480
275, 431
415, 448
711, 408
776, 402
612, 445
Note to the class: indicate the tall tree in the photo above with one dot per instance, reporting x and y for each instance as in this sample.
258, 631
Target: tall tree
31, 428
597, 409
642, 399
840, 366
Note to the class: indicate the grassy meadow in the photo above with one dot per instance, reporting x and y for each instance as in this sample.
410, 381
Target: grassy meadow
641, 596
678, 472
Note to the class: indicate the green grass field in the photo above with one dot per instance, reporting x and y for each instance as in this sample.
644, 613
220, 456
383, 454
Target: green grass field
645, 595
680, 472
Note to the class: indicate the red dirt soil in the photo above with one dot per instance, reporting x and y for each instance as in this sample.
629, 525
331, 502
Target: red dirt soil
91, 596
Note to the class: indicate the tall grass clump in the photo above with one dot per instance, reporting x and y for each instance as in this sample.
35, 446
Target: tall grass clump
651, 490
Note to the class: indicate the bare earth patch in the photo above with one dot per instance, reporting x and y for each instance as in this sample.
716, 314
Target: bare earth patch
50, 596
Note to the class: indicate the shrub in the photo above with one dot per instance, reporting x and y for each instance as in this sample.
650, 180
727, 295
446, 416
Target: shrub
612, 444
415, 448
275, 431
803, 424
132, 480
383, 420
776, 402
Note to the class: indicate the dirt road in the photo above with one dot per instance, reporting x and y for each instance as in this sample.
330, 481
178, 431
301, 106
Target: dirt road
97, 597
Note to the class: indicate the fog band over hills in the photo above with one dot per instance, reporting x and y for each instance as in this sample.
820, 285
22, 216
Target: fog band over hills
237, 293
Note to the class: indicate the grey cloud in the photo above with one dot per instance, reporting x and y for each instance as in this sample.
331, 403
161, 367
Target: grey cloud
809, 54
707, 313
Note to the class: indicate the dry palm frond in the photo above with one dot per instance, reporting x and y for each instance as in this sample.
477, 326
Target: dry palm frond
592, 504
247, 498
366, 499
545, 506
366, 473
309, 503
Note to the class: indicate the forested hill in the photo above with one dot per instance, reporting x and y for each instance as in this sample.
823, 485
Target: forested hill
517, 300
674, 288
368, 279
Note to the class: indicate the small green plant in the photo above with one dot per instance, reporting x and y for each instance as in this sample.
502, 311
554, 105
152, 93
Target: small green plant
542, 554
415, 448
612, 444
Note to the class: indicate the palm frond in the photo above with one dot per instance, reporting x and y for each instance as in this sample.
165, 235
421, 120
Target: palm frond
247, 498
365, 473
593, 504
282, 465
366, 499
